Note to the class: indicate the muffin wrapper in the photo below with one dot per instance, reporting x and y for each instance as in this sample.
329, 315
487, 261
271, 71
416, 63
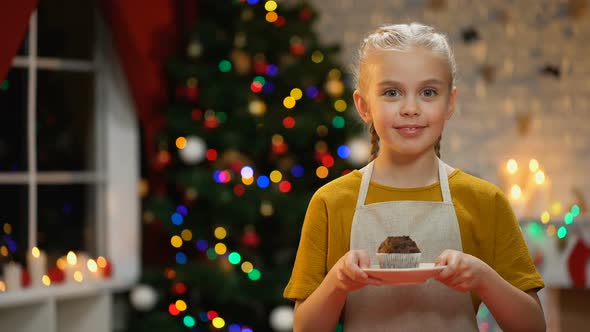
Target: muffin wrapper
398, 261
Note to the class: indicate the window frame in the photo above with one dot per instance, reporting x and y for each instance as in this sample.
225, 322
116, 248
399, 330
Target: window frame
115, 200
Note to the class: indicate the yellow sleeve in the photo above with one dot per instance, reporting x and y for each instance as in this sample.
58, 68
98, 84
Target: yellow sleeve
310, 263
511, 256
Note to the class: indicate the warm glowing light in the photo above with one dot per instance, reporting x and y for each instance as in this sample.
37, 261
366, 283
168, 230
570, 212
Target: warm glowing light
181, 142
551, 230
176, 241
2, 286
180, 305
516, 192
317, 57
35, 252
92, 266
45, 280
545, 217
322, 172
220, 233
4, 251
78, 276
61, 263
556, 208
271, 17
277, 139
247, 267
220, 249
248, 181
270, 6
340, 105
218, 322
289, 102
102, 262
540, 177
7, 228
512, 166
534, 165
186, 234
296, 93
276, 176
71, 258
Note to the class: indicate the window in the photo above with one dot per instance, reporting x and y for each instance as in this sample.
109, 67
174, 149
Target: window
68, 144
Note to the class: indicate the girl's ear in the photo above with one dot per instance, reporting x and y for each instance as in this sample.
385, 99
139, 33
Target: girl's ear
362, 107
452, 103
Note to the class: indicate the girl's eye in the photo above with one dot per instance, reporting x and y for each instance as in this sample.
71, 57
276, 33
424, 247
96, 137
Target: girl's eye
429, 93
392, 93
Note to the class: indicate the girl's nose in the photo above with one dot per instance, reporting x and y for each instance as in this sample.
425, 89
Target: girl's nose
410, 108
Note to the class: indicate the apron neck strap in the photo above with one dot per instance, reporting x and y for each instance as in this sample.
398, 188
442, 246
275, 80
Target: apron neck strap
368, 171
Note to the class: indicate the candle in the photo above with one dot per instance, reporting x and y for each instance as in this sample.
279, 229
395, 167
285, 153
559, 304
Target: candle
37, 265
93, 273
12, 276
71, 267
82, 267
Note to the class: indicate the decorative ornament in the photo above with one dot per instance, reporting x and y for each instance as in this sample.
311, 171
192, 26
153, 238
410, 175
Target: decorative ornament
257, 107
488, 72
194, 151
577, 261
281, 318
250, 238
266, 209
437, 5
360, 151
306, 14
241, 61
162, 160
143, 297
240, 41
334, 87
524, 121
194, 49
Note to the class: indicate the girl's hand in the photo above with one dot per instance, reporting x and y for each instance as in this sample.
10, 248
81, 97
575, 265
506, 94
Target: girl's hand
463, 272
347, 274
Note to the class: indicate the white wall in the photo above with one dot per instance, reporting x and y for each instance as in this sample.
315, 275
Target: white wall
484, 135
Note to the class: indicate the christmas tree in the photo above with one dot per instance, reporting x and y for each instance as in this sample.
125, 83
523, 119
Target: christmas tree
261, 117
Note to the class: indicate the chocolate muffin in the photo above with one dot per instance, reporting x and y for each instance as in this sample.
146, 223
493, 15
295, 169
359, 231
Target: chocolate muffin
397, 252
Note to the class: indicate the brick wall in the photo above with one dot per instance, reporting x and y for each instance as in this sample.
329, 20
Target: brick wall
517, 40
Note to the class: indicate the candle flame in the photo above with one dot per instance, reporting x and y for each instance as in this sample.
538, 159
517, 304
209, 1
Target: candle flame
512, 166
540, 177
516, 192
2, 286
72, 258
45, 280
92, 266
35, 251
101, 262
534, 165
78, 276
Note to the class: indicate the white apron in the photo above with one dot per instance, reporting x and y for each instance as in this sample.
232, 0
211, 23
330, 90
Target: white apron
431, 306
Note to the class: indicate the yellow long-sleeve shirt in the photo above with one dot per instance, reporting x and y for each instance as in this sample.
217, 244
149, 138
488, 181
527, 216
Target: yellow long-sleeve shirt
488, 226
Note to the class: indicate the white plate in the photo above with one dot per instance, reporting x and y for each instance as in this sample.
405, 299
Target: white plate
408, 276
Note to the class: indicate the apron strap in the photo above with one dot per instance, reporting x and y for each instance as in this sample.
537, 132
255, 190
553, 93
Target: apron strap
368, 171
444, 182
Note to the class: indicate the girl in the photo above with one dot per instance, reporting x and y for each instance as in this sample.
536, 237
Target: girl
405, 93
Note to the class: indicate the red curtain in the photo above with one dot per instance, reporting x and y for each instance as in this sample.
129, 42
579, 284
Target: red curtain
14, 20
145, 34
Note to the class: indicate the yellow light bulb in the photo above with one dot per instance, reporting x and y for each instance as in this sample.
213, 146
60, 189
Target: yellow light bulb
540, 177
533, 165
545, 217
512, 166
516, 192
71, 258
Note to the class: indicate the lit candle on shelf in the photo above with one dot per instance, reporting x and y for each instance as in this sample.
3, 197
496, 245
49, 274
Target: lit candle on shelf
37, 266
12, 276
82, 267
2, 286
71, 267
93, 273
104, 267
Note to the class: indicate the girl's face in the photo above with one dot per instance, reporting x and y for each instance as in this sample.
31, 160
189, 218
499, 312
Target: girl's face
407, 97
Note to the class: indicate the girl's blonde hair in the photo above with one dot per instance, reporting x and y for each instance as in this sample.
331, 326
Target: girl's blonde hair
402, 37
